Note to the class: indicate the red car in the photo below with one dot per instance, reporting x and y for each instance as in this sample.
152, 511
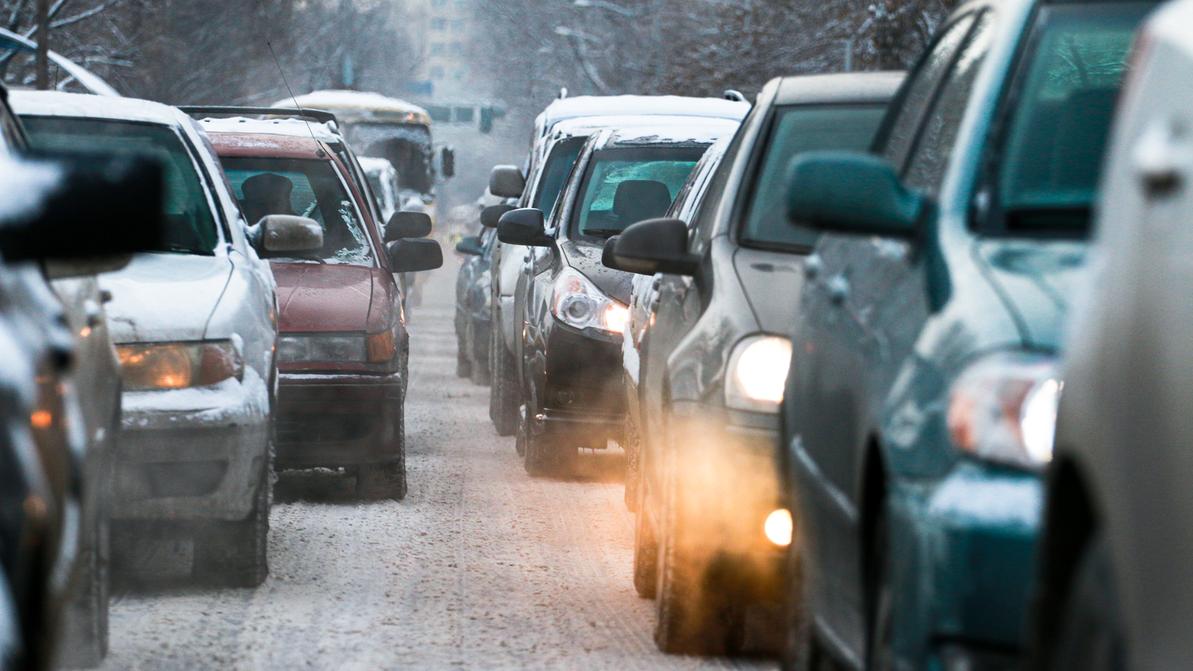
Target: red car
343, 345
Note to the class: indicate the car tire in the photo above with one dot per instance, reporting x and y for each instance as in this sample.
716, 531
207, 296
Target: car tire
1090, 633
386, 480
463, 361
480, 373
236, 554
535, 449
801, 650
633, 459
87, 623
694, 615
646, 549
880, 655
503, 392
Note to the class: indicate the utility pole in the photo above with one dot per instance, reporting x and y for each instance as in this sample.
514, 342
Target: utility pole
43, 45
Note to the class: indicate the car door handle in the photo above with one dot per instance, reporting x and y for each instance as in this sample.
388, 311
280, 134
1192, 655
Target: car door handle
812, 267
1162, 157
838, 290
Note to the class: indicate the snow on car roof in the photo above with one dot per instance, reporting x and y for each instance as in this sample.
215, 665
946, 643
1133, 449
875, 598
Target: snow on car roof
591, 125
372, 164
287, 127
614, 106
363, 103
678, 131
56, 104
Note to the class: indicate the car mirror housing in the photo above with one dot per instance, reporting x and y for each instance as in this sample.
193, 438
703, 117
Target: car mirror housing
655, 246
67, 204
526, 226
285, 234
413, 256
407, 225
491, 215
852, 193
470, 246
507, 181
608, 258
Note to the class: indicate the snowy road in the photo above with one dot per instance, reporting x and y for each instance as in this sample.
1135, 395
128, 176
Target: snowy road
480, 567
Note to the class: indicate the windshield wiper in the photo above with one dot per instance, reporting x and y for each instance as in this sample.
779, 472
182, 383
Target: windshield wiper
603, 232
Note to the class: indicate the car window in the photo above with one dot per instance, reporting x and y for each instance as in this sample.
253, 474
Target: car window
706, 215
794, 130
307, 188
191, 224
555, 172
1063, 104
10, 134
932, 152
918, 92
624, 186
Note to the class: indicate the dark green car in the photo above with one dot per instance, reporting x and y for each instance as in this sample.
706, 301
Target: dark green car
921, 400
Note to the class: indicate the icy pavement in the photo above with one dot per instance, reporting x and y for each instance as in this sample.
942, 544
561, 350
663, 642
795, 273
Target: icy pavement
481, 567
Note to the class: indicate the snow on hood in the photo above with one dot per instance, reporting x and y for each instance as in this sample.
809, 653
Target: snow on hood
323, 298
165, 297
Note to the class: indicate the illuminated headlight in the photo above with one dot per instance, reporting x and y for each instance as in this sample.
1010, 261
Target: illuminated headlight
779, 527
146, 366
757, 373
1003, 408
579, 304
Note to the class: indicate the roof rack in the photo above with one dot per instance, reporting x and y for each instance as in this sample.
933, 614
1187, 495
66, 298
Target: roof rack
318, 116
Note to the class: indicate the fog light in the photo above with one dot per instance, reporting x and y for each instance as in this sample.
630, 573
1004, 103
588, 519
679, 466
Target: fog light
779, 527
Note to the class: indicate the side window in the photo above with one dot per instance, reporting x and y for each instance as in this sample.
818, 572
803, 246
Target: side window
704, 221
930, 159
918, 93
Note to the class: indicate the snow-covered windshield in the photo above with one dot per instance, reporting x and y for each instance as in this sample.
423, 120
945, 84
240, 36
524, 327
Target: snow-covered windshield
307, 188
190, 223
623, 186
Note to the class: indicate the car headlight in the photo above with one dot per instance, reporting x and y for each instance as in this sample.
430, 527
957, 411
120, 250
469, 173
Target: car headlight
340, 348
757, 373
1003, 408
578, 303
178, 365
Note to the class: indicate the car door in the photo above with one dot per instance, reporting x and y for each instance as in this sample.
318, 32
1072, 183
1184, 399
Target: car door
863, 305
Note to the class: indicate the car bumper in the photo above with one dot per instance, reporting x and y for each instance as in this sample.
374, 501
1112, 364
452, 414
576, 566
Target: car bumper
582, 386
730, 483
336, 420
192, 454
964, 549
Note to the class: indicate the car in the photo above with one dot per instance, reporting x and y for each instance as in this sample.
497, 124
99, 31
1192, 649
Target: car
195, 329
1112, 577
638, 358
709, 495
53, 526
472, 299
917, 408
573, 308
344, 348
383, 182
560, 132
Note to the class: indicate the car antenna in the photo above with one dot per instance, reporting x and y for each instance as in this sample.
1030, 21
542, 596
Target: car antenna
320, 153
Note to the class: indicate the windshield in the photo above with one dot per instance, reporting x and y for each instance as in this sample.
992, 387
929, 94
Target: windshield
555, 173
796, 130
307, 188
625, 186
1062, 114
191, 227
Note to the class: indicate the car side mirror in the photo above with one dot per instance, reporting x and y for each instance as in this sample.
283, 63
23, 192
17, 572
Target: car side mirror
470, 246
852, 193
524, 227
447, 159
491, 215
507, 181
655, 246
65, 207
406, 225
608, 259
283, 234
413, 256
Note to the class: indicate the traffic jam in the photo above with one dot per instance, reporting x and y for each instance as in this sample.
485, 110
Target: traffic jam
867, 369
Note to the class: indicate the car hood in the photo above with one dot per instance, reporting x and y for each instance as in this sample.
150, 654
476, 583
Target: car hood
165, 297
585, 257
329, 297
1036, 281
772, 282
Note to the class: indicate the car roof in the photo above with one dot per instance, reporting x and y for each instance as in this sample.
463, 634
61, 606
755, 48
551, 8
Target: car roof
284, 127
686, 131
373, 164
356, 106
615, 106
1170, 26
83, 105
850, 87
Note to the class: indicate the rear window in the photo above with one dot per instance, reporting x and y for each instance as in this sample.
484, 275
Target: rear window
795, 130
1062, 107
307, 188
623, 186
555, 173
191, 227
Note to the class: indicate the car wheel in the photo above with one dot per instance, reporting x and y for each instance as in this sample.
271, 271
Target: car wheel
503, 394
86, 641
480, 372
235, 554
646, 549
633, 458
801, 650
463, 361
880, 653
387, 480
1090, 634
535, 449
694, 616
